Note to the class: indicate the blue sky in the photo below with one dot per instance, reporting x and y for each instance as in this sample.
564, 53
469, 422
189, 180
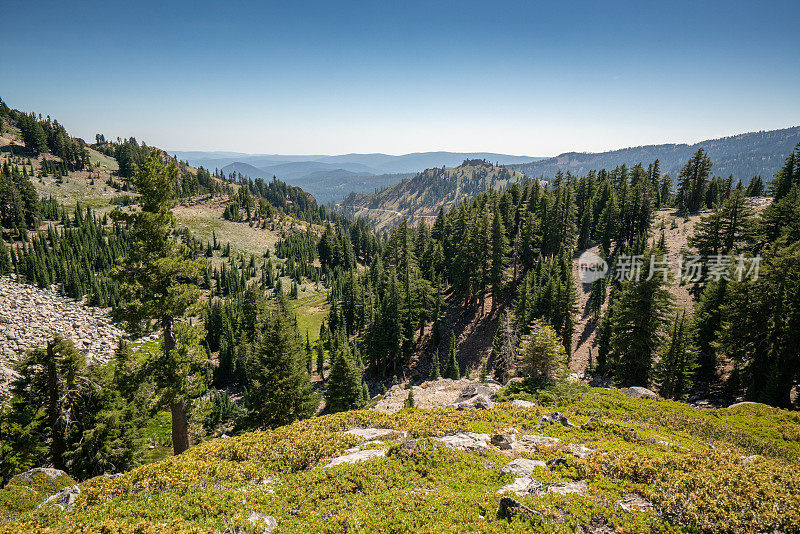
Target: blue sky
533, 78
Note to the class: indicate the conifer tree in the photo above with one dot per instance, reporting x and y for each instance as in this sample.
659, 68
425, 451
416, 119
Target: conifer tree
435, 371
674, 371
159, 284
639, 315
320, 359
366, 393
5, 259
452, 363
500, 250
693, 182
543, 356
279, 391
344, 390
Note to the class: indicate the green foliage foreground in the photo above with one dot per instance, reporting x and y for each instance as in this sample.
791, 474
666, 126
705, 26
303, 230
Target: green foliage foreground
687, 462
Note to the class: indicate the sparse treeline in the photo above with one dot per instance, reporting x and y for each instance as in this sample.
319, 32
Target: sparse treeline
19, 203
260, 200
47, 136
130, 154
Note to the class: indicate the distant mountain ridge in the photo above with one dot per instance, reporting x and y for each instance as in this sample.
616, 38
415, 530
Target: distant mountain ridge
375, 163
742, 156
332, 178
422, 196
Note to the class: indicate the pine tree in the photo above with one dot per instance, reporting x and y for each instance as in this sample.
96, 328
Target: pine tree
366, 393
158, 284
320, 359
500, 250
434, 373
452, 363
693, 182
278, 390
639, 314
543, 356
344, 390
410, 399
5, 259
674, 371
504, 348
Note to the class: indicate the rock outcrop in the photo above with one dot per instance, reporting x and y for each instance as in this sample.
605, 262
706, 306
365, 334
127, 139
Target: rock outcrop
30, 317
638, 392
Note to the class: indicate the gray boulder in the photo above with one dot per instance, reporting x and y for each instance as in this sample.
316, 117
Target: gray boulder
519, 403
534, 443
373, 434
556, 417
64, 499
523, 486
266, 522
466, 441
578, 487
523, 467
638, 392
479, 402
504, 442
27, 476
579, 451
488, 389
633, 502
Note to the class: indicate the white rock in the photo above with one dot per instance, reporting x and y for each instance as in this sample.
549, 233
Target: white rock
534, 443
357, 457
466, 441
523, 466
372, 434
523, 486
266, 522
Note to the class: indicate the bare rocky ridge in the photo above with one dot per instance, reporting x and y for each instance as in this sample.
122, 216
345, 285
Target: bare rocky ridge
30, 316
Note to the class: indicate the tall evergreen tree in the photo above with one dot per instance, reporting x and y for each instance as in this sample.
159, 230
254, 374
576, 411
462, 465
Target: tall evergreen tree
639, 316
693, 182
674, 371
453, 370
435, 371
279, 391
5, 259
500, 248
344, 390
159, 284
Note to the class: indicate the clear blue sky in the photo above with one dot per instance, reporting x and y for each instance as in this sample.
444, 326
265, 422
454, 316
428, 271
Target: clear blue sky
533, 78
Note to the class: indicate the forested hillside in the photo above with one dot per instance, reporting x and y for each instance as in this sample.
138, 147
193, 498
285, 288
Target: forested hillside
421, 197
741, 156
270, 309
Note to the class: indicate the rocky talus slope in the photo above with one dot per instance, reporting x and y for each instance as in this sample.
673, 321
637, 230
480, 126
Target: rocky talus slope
30, 316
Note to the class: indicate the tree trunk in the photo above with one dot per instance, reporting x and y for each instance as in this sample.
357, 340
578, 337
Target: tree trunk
180, 424
180, 427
